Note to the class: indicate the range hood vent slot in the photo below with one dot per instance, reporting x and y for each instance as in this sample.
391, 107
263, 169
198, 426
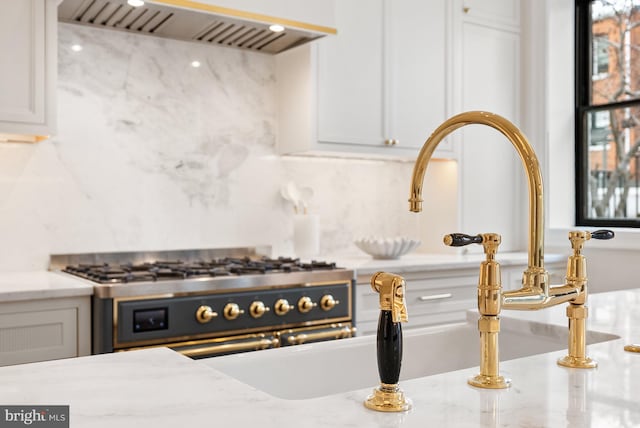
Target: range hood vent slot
182, 24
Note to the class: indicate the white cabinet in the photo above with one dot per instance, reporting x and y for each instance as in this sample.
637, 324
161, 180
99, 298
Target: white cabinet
40, 330
351, 99
487, 63
28, 50
417, 77
376, 88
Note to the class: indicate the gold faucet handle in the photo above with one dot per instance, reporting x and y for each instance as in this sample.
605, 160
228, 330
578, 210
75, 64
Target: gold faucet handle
579, 237
460, 239
490, 241
391, 288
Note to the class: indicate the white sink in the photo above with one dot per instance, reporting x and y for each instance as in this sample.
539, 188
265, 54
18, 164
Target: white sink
325, 368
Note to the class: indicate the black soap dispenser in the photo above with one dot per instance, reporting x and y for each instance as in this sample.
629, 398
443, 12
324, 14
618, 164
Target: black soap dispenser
393, 311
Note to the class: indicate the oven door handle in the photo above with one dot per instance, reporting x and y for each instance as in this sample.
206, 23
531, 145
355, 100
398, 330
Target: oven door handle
340, 333
249, 345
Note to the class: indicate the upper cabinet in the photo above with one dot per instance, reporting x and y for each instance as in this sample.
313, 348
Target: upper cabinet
377, 88
28, 38
416, 56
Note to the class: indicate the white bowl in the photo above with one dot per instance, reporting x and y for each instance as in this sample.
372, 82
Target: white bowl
387, 248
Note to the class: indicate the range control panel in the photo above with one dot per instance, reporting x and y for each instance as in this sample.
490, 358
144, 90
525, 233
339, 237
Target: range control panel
214, 315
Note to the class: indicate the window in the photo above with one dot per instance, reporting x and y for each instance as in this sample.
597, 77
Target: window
608, 113
599, 134
600, 56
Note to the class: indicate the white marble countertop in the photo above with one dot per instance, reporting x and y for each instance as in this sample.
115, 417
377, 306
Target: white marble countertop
157, 387
416, 262
15, 286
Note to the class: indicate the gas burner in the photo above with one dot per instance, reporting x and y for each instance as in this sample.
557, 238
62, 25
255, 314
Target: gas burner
138, 277
317, 265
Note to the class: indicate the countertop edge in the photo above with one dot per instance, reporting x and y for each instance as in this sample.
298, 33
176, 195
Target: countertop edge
30, 286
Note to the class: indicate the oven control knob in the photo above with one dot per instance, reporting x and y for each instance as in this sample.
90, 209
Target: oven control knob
281, 307
327, 302
257, 309
232, 311
204, 314
305, 304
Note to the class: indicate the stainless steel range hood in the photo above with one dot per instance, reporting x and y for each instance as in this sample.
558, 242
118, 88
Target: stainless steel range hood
192, 21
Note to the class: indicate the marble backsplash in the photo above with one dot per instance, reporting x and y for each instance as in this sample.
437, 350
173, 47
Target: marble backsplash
154, 154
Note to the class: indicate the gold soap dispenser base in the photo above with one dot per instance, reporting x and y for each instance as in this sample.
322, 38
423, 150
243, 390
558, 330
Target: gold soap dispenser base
388, 398
632, 348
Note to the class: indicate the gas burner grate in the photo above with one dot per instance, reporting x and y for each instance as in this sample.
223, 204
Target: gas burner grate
177, 269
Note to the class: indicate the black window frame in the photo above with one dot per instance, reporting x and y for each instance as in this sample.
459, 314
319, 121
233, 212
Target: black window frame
583, 83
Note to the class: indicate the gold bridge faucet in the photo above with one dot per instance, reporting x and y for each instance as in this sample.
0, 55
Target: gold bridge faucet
536, 292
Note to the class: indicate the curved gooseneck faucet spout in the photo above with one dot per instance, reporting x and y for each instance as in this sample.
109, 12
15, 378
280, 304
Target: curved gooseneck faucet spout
535, 292
527, 155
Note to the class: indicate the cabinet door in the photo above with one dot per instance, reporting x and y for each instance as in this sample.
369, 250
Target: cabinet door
27, 68
40, 330
38, 336
491, 171
416, 68
379, 85
350, 76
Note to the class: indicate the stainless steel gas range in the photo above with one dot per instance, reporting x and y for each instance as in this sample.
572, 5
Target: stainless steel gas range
204, 303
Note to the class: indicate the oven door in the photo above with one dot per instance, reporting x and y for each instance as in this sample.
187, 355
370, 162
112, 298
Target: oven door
226, 345
298, 336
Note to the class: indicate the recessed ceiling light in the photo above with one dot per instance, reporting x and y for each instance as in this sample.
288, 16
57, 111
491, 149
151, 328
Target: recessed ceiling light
195, 64
135, 3
276, 28
76, 48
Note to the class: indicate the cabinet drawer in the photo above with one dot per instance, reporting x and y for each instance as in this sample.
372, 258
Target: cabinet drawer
429, 302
